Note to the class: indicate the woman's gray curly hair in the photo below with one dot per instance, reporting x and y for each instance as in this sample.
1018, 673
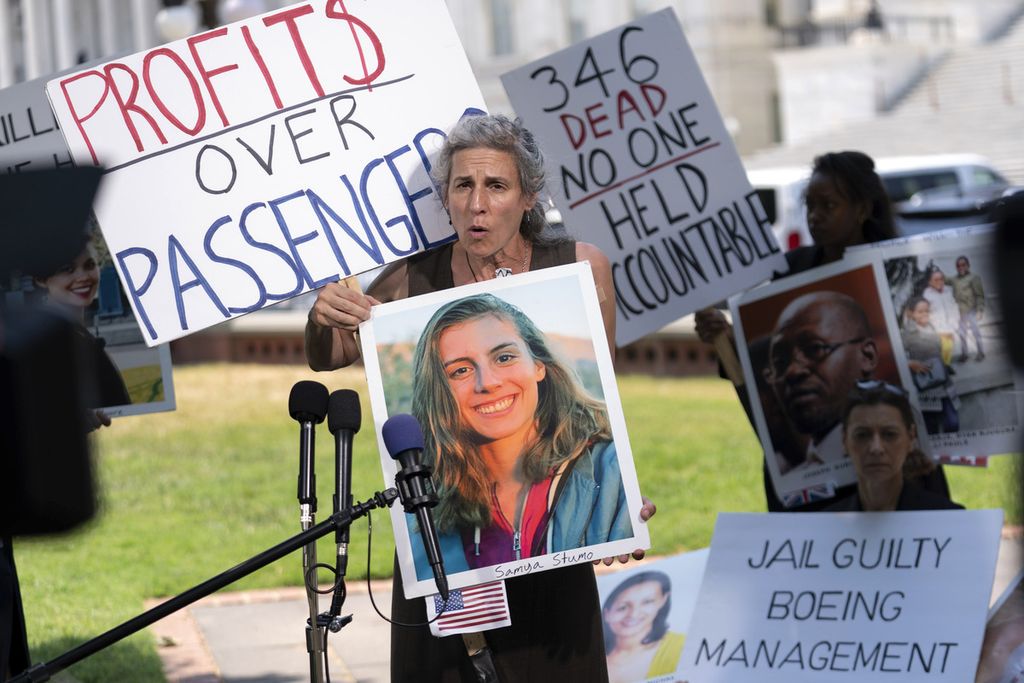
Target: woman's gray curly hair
507, 135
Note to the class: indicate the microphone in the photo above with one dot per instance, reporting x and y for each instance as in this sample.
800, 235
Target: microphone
343, 419
307, 403
404, 440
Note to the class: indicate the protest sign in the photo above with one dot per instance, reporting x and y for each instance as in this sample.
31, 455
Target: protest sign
265, 158
31, 141
946, 304
837, 597
516, 366
646, 613
833, 322
29, 137
643, 167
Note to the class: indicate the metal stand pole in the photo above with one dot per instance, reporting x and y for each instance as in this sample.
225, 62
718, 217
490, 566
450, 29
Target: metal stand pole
44, 671
314, 633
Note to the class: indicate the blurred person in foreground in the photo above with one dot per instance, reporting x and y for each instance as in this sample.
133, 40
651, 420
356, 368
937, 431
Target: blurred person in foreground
846, 205
490, 174
881, 438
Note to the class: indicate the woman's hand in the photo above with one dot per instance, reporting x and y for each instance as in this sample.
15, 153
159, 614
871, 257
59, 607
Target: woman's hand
709, 323
340, 307
917, 366
647, 511
94, 419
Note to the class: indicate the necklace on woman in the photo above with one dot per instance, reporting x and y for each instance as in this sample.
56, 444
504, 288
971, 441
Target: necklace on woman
503, 271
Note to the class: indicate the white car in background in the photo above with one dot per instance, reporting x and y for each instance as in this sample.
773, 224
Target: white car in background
923, 189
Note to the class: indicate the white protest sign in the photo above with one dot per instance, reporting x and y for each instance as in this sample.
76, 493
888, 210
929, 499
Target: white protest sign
642, 166
838, 597
29, 137
262, 159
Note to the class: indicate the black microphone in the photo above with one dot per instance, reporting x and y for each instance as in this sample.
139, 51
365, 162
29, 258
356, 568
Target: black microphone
404, 440
343, 419
307, 403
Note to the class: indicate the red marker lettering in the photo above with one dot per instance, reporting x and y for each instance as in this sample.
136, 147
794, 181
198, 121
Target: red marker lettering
196, 95
627, 104
79, 120
288, 17
354, 22
129, 105
258, 58
206, 74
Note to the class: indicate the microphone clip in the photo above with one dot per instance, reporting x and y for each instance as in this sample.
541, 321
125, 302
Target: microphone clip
333, 624
403, 482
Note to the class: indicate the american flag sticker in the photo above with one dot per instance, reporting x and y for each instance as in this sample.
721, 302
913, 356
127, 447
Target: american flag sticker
470, 609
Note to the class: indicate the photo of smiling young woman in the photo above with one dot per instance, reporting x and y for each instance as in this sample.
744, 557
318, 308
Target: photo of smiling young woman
523, 454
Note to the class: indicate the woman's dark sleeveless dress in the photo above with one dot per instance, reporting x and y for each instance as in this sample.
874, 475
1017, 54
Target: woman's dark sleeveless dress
556, 616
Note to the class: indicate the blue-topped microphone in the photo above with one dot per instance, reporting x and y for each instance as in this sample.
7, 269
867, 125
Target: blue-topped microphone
404, 440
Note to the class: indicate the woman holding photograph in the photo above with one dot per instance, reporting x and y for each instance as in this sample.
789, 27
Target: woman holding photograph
881, 438
522, 454
930, 369
636, 636
490, 175
70, 290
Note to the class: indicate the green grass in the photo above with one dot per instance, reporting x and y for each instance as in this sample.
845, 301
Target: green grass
188, 494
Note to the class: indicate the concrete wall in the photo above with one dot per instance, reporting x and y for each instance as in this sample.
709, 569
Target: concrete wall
825, 88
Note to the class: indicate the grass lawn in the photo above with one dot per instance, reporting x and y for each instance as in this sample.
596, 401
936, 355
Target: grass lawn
188, 494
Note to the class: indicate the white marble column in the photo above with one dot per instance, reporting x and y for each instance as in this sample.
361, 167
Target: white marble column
108, 27
65, 42
36, 36
144, 24
6, 46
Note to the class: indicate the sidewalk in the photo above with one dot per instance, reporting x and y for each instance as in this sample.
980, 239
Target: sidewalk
259, 636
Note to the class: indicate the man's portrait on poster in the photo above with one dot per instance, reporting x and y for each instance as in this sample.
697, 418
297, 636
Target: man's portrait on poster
808, 344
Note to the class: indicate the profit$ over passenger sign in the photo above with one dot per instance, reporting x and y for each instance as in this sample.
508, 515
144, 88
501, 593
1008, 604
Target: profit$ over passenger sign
259, 160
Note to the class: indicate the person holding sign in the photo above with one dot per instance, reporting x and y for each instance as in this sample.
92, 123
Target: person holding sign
846, 205
523, 456
490, 173
636, 636
881, 438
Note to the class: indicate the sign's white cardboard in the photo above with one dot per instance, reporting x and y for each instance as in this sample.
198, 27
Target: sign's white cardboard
837, 596
641, 164
265, 158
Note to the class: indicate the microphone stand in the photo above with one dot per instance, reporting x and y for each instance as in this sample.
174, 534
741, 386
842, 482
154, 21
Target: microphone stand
339, 520
307, 518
